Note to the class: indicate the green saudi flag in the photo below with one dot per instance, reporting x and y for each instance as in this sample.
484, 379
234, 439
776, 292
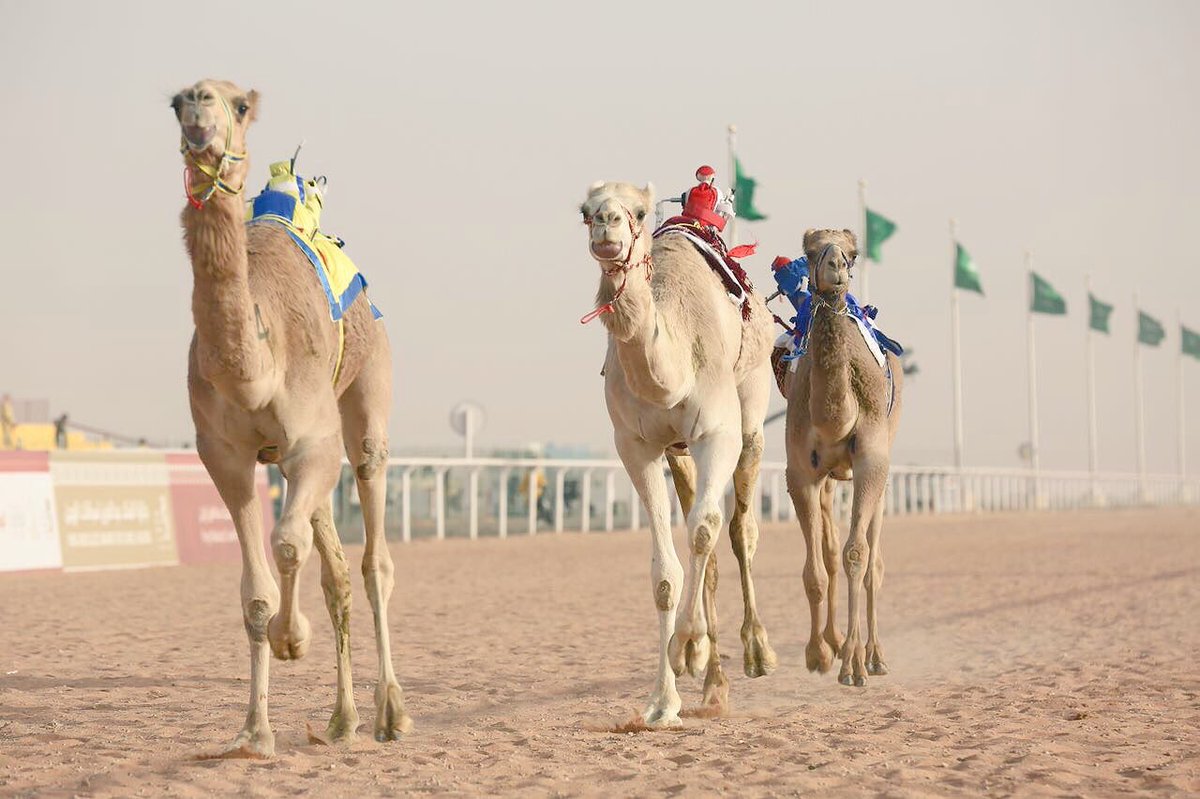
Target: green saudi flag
879, 230
966, 276
1191, 342
743, 194
1100, 311
1150, 330
1045, 298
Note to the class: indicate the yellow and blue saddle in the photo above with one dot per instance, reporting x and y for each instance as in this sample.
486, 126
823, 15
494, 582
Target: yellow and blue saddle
295, 204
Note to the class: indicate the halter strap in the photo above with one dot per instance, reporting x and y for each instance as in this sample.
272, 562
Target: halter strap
201, 192
621, 269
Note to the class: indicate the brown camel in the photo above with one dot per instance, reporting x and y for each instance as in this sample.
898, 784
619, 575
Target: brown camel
842, 416
260, 379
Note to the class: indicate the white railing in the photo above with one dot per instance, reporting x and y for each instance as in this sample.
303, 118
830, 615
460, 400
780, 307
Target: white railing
460, 497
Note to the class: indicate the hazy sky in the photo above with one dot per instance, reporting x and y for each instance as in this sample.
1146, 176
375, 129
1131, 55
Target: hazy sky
460, 138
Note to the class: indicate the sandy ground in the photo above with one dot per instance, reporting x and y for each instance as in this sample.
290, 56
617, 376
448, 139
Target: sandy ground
1030, 655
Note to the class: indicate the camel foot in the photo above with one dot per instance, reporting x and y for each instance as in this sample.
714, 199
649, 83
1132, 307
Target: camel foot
250, 745
758, 657
688, 651
818, 656
853, 671
716, 687
875, 663
342, 728
289, 643
390, 719
663, 711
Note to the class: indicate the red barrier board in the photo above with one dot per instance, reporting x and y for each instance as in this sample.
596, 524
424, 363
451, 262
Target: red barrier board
204, 531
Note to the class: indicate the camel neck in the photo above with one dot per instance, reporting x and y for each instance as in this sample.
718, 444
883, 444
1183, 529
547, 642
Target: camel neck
833, 406
226, 315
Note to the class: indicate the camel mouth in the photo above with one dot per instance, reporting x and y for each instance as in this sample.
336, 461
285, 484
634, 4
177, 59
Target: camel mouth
199, 137
607, 250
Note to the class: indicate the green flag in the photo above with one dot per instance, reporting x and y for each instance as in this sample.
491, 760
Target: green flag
1191, 342
1045, 298
743, 194
966, 276
879, 230
1100, 313
1150, 330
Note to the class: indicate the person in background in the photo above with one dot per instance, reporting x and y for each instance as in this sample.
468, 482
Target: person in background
60, 432
8, 422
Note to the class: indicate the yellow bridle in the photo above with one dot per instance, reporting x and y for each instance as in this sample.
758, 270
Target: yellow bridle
201, 192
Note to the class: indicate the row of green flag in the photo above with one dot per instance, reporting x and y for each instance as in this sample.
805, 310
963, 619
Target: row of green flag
1046, 300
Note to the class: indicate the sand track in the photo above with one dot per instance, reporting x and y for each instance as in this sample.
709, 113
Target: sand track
1048, 654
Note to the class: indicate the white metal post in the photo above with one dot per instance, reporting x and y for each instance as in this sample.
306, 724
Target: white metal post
1182, 427
473, 493
1093, 456
733, 223
406, 503
502, 510
585, 498
439, 502
610, 498
1139, 412
863, 242
560, 479
533, 500
1034, 444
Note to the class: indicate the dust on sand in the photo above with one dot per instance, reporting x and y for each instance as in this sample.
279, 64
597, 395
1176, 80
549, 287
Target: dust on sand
1050, 654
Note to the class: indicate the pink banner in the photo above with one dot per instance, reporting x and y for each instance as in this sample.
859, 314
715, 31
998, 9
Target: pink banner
204, 530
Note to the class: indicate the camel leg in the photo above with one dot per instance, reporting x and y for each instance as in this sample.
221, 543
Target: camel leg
716, 686
364, 424
870, 477
758, 659
641, 461
234, 478
757, 655
716, 455
805, 493
311, 466
874, 582
335, 582
831, 550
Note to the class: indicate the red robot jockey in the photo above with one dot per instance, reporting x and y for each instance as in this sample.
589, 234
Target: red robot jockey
705, 203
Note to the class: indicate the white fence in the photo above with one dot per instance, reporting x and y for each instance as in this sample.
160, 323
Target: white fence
459, 497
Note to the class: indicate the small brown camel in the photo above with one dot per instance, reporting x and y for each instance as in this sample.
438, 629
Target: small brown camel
842, 415
260, 380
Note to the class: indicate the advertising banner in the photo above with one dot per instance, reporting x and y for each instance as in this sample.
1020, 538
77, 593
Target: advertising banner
203, 528
28, 535
114, 509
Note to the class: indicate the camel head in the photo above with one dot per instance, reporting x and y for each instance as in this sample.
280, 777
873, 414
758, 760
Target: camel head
831, 254
616, 215
214, 116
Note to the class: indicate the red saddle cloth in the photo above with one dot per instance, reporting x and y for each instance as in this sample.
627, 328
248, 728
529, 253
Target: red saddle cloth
733, 277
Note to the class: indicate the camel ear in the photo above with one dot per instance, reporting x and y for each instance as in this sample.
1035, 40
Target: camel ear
809, 236
252, 101
648, 193
597, 185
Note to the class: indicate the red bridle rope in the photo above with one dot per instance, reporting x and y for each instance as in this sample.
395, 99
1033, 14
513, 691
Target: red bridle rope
621, 269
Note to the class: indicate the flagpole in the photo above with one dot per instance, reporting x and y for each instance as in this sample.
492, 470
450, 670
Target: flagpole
732, 141
1033, 409
1140, 416
864, 242
1093, 457
965, 502
1182, 405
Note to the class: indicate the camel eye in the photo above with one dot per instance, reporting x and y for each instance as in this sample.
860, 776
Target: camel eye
641, 214
242, 109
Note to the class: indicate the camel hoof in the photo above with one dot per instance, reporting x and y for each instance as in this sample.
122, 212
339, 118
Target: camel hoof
716, 688
662, 718
845, 679
860, 682
818, 656
688, 653
758, 657
877, 667
250, 745
390, 719
342, 728
289, 644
